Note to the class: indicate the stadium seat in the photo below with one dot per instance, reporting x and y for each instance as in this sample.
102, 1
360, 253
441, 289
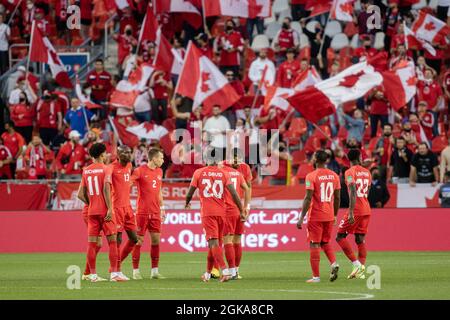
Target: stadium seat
304, 41
311, 26
272, 30
169, 124
339, 41
433, 4
379, 40
297, 27
269, 20
333, 28
354, 43
439, 143
305, 52
260, 42
421, 4
284, 14
279, 6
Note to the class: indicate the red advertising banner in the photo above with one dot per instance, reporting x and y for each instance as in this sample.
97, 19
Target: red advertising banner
23, 196
266, 230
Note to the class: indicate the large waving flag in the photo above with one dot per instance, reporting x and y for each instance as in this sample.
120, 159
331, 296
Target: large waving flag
306, 78
276, 97
413, 40
238, 8
342, 10
189, 11
202, 81
164, 58
41, 50
322, 99
318, 7
149, 26
400, 84
430, 28
130, 131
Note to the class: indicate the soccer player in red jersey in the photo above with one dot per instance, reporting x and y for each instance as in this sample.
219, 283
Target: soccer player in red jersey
150, 210
87, 270
121, 185
322, 200
356, 221
95, 191
211, 182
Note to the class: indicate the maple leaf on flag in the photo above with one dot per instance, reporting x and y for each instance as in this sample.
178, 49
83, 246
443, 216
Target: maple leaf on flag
347, 7
430, 26
205, 78
411, 81
148, 126
350, 80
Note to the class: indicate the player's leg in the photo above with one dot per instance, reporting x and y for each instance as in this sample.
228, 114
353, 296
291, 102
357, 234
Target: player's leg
328, 250
237, 238
94, 228
87, 270
362, 254
229, 231
314, 232
343, 242
154, 255
142, 222
130, 228
110, 231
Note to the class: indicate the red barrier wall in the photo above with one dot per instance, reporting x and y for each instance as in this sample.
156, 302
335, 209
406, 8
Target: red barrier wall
268, 230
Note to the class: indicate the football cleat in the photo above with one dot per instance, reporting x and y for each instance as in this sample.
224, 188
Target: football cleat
215, 273
206, 277
334, 272
356, 270
157, 276
313, 280
360, 274
137, 275
118, 278
96, 278
85, 277
123, 276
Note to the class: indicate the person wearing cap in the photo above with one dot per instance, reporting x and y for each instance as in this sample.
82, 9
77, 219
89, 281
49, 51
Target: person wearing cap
78, 117
71, 157
288, 70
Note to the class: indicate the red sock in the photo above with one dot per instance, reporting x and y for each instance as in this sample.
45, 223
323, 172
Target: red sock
92, 256
229, 254
362, 253
86, 269
237, 254
210, 261
126, 249
347, 248
113, 255
154, 254
218, 257
329, 252
314, 259
136, 256
119, 262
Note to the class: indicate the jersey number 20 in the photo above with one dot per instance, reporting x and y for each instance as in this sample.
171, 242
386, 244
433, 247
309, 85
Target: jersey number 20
216, 187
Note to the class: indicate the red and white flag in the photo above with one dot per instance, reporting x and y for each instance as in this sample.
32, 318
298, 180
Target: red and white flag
276, 97
130, 131
400, 84
149, 26
238, 8
164, 58
202, 81
342, 10
429, 28
190, 13
318, 7
306, 78
322, 99
83, 98
41, 50
412, 40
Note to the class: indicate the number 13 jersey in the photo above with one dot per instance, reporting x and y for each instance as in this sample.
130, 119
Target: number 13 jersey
323, 183
211, 182
362, 179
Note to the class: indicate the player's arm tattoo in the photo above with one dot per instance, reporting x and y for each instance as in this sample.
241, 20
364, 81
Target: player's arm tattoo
190, 194
352, 199
82, 195
235, 196
107, 195
306, 203
337, 201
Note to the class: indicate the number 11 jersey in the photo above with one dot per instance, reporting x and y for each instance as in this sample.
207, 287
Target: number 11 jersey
93, 179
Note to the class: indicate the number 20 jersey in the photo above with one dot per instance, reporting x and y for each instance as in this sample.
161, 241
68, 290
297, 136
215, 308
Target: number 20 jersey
362, 179
211, 182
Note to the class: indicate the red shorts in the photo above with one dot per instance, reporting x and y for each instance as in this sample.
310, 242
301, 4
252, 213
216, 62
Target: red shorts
125, 219
145, 222
319, 231
213, 227
233, 225
97, 224
360, 225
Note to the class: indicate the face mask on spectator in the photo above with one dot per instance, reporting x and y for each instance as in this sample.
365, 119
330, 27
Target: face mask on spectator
285, 25
128, 32
22, 99
229, 28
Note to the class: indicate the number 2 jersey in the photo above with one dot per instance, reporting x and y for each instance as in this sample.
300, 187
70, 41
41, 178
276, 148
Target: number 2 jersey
94, 178
323, 182
362, 179
211, 182
149, 183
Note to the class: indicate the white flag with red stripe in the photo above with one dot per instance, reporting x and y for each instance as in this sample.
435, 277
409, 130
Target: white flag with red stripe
276, 97
202, 81
83, 98
306, 78
342, 10
238, 8
190, 13
41, 50
430, 28
322, 99
400, 84
412, 40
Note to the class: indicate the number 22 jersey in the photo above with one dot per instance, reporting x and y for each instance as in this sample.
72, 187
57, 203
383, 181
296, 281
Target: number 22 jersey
362, 179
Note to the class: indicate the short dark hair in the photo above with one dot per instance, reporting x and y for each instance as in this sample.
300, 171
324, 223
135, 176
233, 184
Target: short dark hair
152, 152
97, 149
400, 138
99, 60
424, 143
353, 155
388, 125
321, 156
10, 123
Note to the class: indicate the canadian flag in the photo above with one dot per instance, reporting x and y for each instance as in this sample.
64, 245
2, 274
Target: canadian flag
149, 26
318, 7
83, 98
41, 50
164, 56
130, 131
276, 97
203, 82
400, 84
412, 40
306, 78
322, 99
429, 28
190, 12
342, 10
238, 8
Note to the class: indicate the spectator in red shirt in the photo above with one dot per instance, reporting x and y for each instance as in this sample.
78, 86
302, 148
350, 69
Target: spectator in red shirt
429, 91
230, 45
36, 157
410, 135
288, 70
126, 43
204, 46
49, 117
446, 86
13, 140
400, 56
427, 120
161, 84
23, 115
40, 21
392, 22
128, 19
86, 9
5, 160
71, 157
379, 110
366, 51
286, 38
99, 80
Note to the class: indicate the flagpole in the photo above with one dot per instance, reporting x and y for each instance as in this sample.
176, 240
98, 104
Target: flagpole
111, 122
323, 37
205, 27
33, 26
404, 34
14, 12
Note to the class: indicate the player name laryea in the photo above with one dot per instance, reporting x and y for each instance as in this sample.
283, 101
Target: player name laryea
193, 310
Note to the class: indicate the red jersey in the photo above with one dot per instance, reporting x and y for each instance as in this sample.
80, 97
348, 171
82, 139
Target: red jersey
244, 169
22, 115
94, 178
323, 183
47, 114
429, 93
230, 41
121, 183
446, 81
237, 179
74, 158
362, 179
287, 38
287, 73
211, 182
99, 79
14, 142
148, 182
5, 170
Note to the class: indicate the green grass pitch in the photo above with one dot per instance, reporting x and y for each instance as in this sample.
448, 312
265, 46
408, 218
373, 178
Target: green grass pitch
267, 275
